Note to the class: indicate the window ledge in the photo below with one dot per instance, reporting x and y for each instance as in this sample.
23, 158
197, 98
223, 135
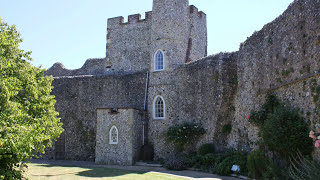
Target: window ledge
158, 118
159, 70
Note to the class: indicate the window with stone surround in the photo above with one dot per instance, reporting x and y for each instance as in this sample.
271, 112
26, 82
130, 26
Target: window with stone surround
159, 108
113, 135
159, 61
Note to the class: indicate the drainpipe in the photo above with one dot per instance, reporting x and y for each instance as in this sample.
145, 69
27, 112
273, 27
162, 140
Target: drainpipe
146, 91
145, 107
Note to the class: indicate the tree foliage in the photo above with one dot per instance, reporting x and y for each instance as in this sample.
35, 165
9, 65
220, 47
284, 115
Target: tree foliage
28, 120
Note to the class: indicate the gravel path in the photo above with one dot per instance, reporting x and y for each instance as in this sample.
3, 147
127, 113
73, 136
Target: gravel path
186, 174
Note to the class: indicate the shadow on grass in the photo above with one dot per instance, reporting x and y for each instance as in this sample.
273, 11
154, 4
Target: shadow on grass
49, 165
89, 172
105, 172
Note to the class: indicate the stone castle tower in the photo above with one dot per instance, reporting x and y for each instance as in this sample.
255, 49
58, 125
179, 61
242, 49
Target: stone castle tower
179, 31
173, 27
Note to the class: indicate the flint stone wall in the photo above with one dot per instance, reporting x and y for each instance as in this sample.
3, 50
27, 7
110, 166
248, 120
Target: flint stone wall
202, 91
94, 66
282, 58
128, 44
129, 125
78, 98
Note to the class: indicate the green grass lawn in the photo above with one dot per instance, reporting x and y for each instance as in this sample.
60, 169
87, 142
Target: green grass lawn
45, 171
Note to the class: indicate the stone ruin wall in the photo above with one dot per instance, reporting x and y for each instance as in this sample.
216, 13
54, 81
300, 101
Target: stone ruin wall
78, 99
283, 58
94, 66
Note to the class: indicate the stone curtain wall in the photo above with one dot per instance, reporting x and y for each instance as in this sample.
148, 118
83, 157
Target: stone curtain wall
94, 66
201, 91
207, 89
77, 101
284, 58
129, 125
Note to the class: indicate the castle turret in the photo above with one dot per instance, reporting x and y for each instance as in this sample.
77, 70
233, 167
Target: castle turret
178, 36
170, 31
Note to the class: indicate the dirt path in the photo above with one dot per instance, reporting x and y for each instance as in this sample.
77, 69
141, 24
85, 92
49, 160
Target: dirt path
187, 173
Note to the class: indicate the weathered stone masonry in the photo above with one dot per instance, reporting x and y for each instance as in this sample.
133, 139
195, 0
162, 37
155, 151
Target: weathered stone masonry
283, 58
77, 105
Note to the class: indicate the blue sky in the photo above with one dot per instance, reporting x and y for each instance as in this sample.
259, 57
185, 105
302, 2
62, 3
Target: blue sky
71, 31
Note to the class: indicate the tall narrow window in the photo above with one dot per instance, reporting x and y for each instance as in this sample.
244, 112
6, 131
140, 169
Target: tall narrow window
159, 108
159, 61
113, 135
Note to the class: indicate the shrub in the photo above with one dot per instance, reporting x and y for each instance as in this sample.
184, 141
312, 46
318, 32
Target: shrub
175, 163
286, 132
283, 129
224, 162
260, 166
207, 160
218, 163
191, 159
226, 129
185, 133
206, 149
302, 168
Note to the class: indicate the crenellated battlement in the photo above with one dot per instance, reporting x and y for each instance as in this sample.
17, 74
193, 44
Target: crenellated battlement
194, 10
132, 19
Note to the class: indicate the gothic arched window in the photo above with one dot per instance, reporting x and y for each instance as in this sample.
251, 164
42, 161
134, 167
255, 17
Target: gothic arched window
113, 135
159, 108
159, 61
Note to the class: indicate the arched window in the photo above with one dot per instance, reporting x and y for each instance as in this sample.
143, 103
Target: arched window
159, 61
159, 108
113, 135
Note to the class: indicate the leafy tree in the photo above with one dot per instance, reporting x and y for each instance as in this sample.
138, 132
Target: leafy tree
28, 120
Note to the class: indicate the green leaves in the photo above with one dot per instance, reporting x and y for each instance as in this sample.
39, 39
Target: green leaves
185, 133
28, 120
283, 129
